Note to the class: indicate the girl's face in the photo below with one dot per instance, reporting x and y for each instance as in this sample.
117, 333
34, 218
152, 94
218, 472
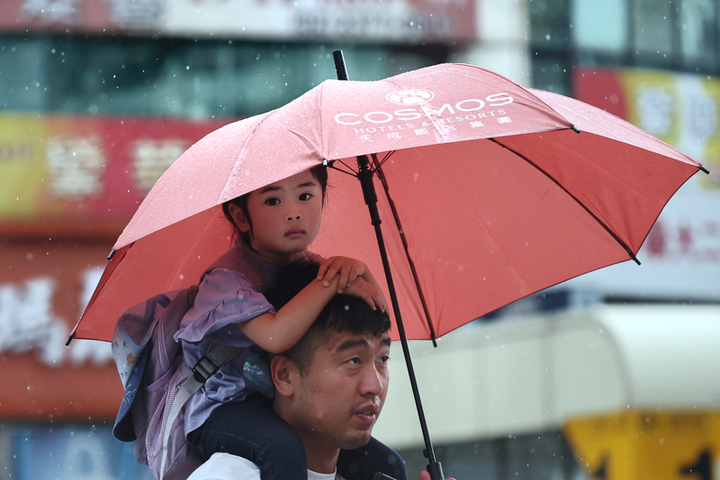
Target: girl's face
285, 217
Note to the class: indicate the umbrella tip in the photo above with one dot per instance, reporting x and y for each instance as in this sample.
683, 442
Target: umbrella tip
112, 254
340, 68
705, 170
69, 339
575, 129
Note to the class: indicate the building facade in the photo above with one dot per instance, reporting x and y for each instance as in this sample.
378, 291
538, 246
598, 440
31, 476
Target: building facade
98, 97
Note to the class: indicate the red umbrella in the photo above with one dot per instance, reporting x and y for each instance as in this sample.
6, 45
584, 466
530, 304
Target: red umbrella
488, 192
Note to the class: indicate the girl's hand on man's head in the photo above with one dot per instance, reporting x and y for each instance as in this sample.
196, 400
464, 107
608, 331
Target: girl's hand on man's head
347, 268
367, 291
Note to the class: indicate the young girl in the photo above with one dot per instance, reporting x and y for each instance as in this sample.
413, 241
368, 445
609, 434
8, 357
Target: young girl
231, 413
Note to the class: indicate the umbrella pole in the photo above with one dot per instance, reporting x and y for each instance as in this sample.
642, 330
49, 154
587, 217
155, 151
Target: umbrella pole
365, 175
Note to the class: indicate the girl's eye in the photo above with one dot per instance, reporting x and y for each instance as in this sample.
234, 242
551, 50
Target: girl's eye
305, 196
272, 201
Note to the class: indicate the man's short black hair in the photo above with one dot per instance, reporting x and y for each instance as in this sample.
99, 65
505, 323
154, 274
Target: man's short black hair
343, 313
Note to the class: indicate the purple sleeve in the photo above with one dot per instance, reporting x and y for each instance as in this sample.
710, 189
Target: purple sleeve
224, 298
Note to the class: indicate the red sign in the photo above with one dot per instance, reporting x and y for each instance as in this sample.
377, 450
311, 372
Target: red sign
43, 288
81, 174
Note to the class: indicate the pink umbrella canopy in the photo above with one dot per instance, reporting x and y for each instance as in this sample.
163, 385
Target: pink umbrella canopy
487, 193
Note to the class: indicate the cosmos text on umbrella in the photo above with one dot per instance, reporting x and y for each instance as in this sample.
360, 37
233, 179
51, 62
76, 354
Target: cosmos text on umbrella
419, 105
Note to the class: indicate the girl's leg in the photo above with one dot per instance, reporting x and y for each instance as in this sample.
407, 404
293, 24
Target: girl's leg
251, 429
363, 462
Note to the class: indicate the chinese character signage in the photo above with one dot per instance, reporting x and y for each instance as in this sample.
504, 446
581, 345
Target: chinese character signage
375, 20
681, 255
82, 171
44, 287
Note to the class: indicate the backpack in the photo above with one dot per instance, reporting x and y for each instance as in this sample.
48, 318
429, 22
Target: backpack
156, 379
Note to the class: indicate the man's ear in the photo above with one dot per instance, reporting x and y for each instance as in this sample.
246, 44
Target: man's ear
284, 374
239, 216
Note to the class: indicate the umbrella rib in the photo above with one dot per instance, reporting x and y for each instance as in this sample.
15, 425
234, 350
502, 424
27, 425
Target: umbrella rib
349, 170
600, 222
413, 270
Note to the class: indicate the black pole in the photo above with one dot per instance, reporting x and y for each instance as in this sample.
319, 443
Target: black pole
365, 175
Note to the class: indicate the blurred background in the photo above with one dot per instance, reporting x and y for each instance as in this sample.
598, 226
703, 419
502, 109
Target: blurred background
614, 375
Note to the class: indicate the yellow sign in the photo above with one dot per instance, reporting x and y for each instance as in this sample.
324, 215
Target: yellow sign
652, 446
22, 163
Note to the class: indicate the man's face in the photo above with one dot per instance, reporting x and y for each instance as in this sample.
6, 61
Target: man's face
340, 396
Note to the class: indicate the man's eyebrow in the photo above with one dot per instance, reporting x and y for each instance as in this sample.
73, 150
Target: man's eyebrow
350, 344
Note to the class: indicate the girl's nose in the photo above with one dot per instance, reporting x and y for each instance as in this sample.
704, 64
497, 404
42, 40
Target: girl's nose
292, 217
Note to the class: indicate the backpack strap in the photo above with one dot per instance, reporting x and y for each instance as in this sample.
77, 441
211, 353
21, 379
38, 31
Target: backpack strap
238, 259
204, 369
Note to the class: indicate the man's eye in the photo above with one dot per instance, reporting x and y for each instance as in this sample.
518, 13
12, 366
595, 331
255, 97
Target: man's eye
272, 201
354, 361
305, 196
384, 359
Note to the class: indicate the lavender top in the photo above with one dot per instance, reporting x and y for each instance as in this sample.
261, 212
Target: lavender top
226, 298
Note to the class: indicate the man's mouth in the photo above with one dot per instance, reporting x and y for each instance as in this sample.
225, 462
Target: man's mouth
368, 413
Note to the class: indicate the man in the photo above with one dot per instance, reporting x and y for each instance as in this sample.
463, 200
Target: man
330, 387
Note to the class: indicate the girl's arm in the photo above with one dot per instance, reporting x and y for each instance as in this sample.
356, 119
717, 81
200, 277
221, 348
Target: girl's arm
275, 333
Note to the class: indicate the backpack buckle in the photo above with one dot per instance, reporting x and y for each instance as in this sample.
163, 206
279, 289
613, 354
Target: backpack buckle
204, 369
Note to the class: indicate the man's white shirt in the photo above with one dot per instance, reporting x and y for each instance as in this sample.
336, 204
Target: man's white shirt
224, 466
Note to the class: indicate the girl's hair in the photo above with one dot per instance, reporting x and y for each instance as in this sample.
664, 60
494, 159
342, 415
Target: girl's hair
320, 174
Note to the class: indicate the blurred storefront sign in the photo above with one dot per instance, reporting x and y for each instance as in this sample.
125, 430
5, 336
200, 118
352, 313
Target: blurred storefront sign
71, 452
680, 109
43, 288
681, 256
80, 175
68, 185
657, 445
377, 20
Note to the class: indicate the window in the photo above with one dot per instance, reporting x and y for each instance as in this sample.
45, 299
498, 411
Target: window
600, 25
179, 77
653, 28
698, 29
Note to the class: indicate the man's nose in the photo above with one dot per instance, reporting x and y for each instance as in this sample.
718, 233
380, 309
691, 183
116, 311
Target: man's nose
374, 382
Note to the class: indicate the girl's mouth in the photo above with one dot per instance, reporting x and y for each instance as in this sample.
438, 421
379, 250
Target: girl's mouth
295, 233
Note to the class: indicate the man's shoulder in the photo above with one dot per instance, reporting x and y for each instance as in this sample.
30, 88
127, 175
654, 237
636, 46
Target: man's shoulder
224, 466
